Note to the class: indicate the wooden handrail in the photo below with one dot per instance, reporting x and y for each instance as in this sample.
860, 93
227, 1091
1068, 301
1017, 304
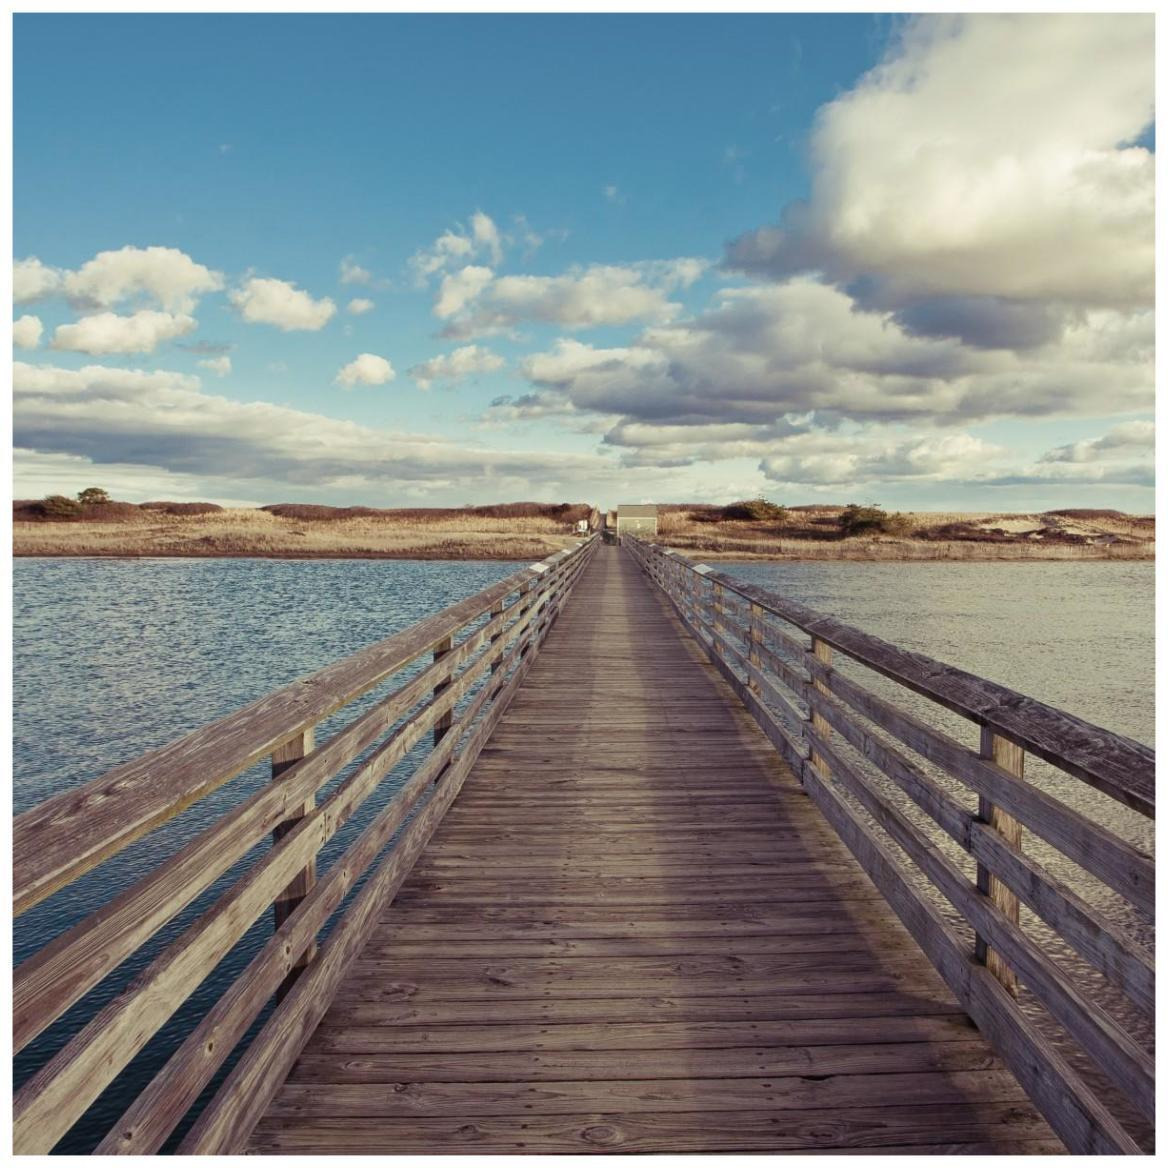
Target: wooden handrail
836, 734
1118, 766
475, 652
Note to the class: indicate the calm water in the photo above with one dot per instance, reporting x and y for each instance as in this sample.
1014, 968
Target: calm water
113, 658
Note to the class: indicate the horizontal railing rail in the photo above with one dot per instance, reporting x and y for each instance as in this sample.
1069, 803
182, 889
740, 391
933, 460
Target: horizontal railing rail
880, 773
459, 670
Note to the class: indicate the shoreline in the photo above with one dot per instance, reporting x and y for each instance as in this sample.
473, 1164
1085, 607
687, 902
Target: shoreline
939, 553
515, 533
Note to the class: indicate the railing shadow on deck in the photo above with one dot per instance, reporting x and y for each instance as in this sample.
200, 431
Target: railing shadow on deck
457, 669
846, 744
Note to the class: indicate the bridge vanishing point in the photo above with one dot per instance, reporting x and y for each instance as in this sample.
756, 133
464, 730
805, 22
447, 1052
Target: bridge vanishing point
638, 858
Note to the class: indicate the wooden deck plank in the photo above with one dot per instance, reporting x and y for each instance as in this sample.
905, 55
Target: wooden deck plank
678, 1008
634, 932
397, 1098
636, 1036
1002, 1128
359, 1061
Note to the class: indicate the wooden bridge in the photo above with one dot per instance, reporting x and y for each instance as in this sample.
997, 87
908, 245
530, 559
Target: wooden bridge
693, 870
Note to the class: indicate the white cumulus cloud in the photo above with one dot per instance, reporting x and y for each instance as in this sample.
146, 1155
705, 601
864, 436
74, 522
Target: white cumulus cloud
107, 332
353, 273
459, 245
455, 366
476, 303
366, 369
163, 275
358, 306
220, 366
990, 159
459, 288
486, 236
26, 332
32, 280
262, 300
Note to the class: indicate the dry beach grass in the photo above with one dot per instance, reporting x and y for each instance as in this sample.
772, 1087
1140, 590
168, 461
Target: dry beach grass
525, 531
455, 534
812, 533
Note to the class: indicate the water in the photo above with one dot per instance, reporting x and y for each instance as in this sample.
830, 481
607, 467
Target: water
1074, 635
113, 658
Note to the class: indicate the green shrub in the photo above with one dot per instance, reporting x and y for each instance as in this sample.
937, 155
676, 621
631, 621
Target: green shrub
169, 508
755, 510
60, 507
871, 520
92, 496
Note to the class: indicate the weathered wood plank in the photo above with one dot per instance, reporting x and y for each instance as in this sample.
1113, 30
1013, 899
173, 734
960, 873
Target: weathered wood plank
918, 1000
1011, 758
283, 759
977, 1128
529, 1039
353, 1057
771, 1093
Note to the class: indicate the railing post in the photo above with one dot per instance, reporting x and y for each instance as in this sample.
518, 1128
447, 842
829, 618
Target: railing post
821, 651
284, 757
496, 610
754, 656
1010, 758
445, 721
716, 609
526, 601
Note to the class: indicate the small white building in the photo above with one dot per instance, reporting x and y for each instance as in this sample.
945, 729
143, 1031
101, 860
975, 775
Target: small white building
636, 519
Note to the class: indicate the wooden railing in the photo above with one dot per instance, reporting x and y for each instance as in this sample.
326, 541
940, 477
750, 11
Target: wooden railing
908, 817
459, 670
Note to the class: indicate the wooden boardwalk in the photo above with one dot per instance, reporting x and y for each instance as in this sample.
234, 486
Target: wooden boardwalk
633, 932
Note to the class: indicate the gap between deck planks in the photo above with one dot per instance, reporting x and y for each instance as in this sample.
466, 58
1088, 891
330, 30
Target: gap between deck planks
633, 932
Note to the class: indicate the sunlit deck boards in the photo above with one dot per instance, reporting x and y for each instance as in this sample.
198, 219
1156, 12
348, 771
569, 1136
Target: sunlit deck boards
633, 932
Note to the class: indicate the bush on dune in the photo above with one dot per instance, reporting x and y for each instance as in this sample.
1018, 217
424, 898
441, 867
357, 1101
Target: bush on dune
565, 513
872, 520
1088, 513
169, 508
755, 510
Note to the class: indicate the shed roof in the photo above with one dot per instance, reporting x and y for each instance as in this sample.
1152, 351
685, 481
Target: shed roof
632, 510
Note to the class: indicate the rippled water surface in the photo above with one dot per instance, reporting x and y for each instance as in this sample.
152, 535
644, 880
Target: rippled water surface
113, 658
1077, 636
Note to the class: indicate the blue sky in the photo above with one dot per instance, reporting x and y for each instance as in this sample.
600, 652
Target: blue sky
389, 259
